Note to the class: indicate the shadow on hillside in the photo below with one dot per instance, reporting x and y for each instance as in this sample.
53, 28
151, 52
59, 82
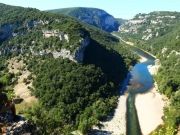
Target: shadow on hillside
111, 63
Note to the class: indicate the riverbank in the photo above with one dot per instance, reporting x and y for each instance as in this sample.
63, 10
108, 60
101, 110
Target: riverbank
117, 124
150, 105
153, 69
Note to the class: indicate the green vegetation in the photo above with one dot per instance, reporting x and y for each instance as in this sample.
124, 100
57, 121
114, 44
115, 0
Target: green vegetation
31, 22
166, 48
92, 16
168, 78
7, 80
121, 21
149, 26
78, 95
70, 95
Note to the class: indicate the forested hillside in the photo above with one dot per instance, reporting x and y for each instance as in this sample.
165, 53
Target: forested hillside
93, 16
76, 69
166, 46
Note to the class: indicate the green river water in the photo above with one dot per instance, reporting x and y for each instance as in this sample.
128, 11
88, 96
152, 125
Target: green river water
141, 81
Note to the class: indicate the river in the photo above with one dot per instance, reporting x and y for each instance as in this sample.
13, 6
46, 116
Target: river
138, 81
141, 81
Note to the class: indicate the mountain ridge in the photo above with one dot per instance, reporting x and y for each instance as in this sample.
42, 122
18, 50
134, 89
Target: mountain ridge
94, 16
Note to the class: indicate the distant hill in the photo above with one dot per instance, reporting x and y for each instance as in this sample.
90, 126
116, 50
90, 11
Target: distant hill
121, 21
149, 26
93, 16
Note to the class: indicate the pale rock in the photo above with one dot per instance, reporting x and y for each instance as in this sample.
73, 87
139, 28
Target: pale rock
157, 34
149, 30
66, 37
64, 53
173, 52
137, 21
148, 37
55, 33
177, 37
154, 22
164, 51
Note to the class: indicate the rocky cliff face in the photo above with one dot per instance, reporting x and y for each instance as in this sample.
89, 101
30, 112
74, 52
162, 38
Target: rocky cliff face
7, 31
76, 56
93, 16
21, 127
10, 123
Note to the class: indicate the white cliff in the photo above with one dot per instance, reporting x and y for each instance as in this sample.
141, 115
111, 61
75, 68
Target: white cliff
56, 33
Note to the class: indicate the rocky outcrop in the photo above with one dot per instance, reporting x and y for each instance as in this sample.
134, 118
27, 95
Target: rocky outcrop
76, 56
9, 30
64, 53
10, 123
56, 33
18, 127
22, 127
35, 23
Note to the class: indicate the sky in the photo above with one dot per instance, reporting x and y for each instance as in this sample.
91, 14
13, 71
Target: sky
125, 9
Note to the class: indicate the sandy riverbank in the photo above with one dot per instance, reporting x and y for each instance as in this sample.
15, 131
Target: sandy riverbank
142, 59
150, 106
150, 110
116, 125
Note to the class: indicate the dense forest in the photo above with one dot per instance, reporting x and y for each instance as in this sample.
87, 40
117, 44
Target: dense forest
71, 95
7, 79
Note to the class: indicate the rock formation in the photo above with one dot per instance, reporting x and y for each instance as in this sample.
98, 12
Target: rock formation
10, 123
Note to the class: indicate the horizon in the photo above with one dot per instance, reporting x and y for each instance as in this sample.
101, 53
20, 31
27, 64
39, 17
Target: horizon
119, 9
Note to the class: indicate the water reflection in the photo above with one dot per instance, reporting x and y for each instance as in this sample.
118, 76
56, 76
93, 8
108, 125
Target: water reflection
140, 82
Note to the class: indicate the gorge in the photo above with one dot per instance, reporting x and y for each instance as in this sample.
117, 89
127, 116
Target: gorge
128, 117
63, 72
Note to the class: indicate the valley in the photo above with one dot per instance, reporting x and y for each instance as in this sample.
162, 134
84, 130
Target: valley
157, 45
146, 102
80, 70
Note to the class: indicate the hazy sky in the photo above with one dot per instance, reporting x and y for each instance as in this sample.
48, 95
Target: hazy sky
119, 8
